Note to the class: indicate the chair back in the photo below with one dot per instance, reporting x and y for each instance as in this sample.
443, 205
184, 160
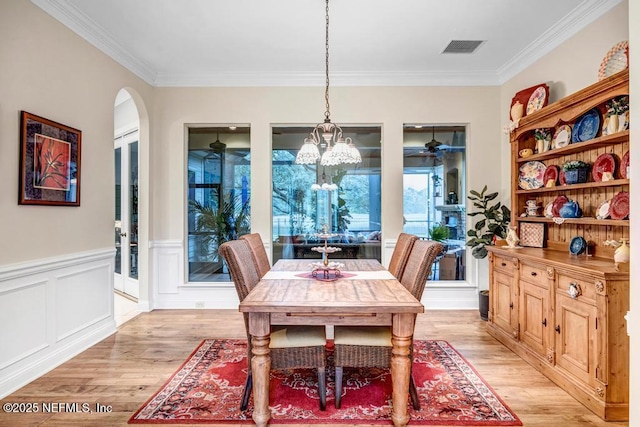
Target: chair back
418, 267
401, 254
260, 257
242, 269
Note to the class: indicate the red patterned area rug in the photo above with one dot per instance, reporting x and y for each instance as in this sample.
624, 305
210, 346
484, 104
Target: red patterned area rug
208, 389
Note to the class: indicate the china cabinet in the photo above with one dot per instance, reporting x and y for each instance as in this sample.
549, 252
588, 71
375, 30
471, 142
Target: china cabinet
561, 307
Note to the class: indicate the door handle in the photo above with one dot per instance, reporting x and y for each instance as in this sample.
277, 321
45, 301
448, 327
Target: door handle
558, 328
123, 234
511, 306
544, 322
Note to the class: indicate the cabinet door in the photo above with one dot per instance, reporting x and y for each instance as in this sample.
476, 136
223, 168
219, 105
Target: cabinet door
576, 338
534, 317
503, 303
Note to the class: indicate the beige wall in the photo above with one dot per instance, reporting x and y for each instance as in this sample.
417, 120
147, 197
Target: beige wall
390, 107
49, 71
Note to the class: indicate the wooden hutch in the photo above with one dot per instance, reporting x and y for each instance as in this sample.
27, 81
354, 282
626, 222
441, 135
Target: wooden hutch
564, 313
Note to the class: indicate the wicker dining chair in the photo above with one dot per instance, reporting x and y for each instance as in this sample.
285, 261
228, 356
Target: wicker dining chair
401, 253
370, 346
290, 347
259, 253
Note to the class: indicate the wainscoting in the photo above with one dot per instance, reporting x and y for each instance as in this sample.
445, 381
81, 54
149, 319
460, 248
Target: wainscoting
51, 310
170, 290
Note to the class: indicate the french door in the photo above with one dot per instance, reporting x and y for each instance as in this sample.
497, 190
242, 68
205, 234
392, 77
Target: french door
126, 214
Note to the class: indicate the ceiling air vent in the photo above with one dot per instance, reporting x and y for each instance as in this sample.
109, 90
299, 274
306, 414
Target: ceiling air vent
462, 46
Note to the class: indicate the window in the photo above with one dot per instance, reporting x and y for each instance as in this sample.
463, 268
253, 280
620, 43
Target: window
218, 176
352, 212
433, 192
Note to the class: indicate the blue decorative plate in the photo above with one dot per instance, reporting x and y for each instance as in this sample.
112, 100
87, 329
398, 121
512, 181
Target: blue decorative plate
586, 127
578, 245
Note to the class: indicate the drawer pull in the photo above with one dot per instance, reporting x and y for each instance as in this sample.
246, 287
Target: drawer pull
574, 290
534, 274
544, 322
511, 306
504, 264
558, 328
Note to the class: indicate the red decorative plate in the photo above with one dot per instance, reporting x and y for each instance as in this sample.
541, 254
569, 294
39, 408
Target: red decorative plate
619, 207
552, 172
562, 179
604, 163
557, 204
624, 164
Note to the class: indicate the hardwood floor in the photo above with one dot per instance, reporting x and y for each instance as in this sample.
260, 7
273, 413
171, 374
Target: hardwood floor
124, 370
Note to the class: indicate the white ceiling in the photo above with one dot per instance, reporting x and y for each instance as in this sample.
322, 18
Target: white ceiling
281, 42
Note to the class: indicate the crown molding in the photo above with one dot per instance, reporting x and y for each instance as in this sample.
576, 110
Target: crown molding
85, 27
260, 79
586, 13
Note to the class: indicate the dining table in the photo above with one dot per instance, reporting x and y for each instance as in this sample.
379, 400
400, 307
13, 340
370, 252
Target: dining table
363, 293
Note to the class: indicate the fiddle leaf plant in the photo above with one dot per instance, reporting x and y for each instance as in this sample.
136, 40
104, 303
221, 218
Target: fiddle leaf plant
495, 222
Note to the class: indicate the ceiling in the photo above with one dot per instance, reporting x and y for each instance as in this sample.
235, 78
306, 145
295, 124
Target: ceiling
282, 42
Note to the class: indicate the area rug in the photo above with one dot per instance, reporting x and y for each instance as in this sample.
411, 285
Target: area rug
208, 388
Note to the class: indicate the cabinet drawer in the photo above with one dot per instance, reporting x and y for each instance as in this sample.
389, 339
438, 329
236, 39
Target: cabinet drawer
506, 265
585, 288
532, 274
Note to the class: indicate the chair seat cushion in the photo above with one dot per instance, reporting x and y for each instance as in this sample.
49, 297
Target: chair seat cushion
379, 336
297, 336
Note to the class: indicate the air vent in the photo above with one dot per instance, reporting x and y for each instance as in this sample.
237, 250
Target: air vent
462, 46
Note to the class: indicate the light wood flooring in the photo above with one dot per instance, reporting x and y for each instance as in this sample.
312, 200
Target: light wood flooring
124, 370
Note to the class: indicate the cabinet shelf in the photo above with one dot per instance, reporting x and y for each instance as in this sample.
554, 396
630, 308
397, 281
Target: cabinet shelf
577, 147
582, 221
569, 187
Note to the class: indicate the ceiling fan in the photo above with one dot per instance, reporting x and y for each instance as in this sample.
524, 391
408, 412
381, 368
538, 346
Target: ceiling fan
432, 146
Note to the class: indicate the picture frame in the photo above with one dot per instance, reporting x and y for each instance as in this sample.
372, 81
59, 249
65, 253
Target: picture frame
49, 162
524, 97
532, 234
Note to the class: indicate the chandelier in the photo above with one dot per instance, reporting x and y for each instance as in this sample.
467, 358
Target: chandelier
337, 149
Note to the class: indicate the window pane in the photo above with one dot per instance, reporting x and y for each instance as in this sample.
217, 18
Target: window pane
434, 187
352, 211
218, 176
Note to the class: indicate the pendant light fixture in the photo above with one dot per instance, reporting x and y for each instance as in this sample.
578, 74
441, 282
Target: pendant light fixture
337, 149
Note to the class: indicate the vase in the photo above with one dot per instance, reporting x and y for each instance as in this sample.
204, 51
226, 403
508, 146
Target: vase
612, 125
516, 111
576, 176
512, 238
622, 252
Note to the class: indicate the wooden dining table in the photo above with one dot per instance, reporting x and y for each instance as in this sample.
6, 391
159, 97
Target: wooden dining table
365, 294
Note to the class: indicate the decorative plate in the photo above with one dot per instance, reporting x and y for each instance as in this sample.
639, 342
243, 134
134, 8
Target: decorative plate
548, 210
619, 207
551, 173
616, 60
562, 178
578, 245
624, 164
587, 126
557, 204
562, 137
536, 100
604, 163
603, 210
531, 175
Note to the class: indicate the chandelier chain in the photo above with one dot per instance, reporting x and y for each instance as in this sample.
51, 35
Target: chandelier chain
327, 113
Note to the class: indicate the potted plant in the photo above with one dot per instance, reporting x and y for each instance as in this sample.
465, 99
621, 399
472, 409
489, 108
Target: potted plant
494, 224
576, 171
215, 226
615, 108
438, 233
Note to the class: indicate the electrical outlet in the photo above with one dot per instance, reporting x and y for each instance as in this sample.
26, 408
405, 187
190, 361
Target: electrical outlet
199, 304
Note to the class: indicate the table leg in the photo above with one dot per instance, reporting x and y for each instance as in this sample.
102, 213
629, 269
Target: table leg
260, 366
401, 337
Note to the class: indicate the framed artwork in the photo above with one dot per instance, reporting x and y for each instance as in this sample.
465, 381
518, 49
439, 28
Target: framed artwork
532, 234
49, 162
